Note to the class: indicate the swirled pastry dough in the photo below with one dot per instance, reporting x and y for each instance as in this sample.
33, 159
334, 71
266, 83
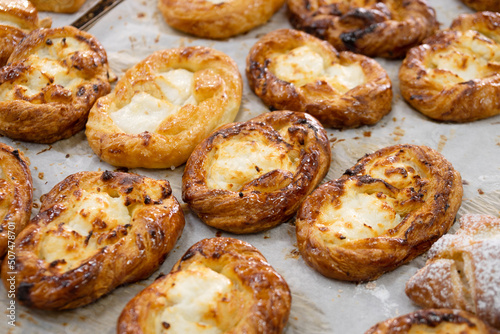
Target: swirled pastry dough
164, 106
58, 6
383, 212
52, 80
251, 176
291, 70
217, 19
376, 28
17, 19
463, 270
94, 232
220, 285
433, 321
16, 195
455, 76
483, 5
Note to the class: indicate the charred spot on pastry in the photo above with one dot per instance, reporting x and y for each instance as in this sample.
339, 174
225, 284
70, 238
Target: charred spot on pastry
165, 325
81, 91
48, 41
107, 175
147, 199
350, 38
24, 292
434, 319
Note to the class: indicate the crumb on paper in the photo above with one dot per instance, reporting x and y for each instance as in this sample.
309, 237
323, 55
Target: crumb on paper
480, 191
371, 285
41, 175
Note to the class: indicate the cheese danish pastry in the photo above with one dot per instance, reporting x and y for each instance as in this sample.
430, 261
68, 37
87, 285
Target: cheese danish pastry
94, 232
384, 211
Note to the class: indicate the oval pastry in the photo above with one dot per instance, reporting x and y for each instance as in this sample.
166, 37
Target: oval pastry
455, 76
463, 270
383, 212
221, 285
94, 232
58, 6
291, 70
433, 321
17, 19
376, 28
248, 177
53, 78
16, 196
217, 19
164, 106
483, 5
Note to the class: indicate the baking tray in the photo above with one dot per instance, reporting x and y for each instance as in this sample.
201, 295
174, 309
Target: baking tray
132, 31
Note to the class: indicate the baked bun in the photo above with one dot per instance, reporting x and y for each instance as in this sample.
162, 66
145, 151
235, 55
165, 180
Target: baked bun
463, 270
217, 19
483, 5
291, 70
251, 176
17, 19
383, 212
58, 6
164, 106
52, 80
433, 321
16, 196
376, 28
221, 285
94, 232
455, 76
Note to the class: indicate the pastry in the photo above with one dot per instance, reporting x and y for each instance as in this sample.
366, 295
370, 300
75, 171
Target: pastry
463, 270
390, 207
164, 106
220, 285
58, 6
52, 80
455, 76
376, 28
291, 70
433, 321
18, 18
217, 19
16, 195
483, 5
94, 232
251, 176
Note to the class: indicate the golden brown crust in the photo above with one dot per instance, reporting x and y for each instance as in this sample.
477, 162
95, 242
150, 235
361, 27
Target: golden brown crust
215, 97
462, 270
217, 19
483, 5
58, 6
446, 80
47, 107
387, 28
251, 176
16, 195
333, 104
259, 302
435, 321
19, 17
383, 212
94, 232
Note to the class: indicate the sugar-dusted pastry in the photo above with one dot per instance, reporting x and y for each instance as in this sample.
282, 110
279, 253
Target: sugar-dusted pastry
463, 270
390, 207
433, 321
483, 5
217, 19
291, 70
58, 6
376, 28
251, 176
220, 285
455, 76
17, 19
164, 106
94, 232
52, 80
16, 195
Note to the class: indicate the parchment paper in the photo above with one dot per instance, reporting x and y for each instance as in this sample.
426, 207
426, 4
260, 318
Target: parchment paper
133, 30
